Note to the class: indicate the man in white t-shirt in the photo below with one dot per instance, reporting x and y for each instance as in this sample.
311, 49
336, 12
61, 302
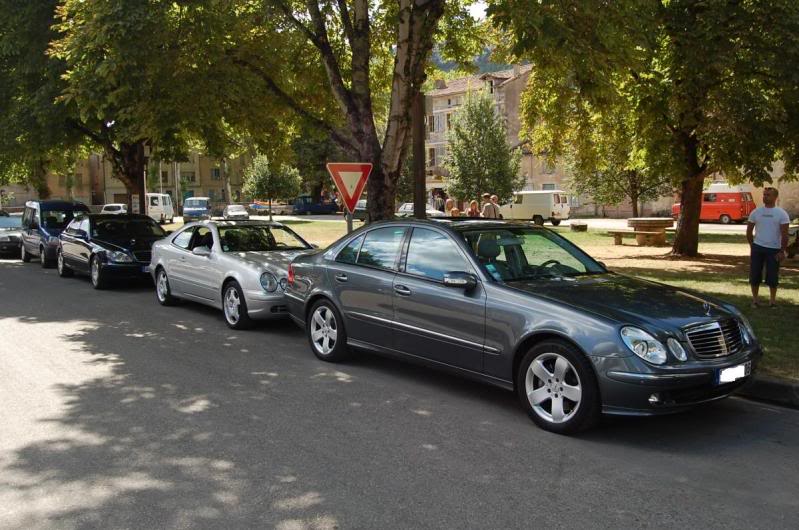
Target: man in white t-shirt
767, 233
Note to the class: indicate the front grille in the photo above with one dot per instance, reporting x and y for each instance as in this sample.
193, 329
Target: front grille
715, 339
142, 256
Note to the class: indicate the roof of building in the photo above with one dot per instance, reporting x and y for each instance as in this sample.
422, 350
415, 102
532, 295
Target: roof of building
462, 84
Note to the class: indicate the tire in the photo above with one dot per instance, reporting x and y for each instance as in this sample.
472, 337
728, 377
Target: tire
98, 278
63, 270
537, 219
555, 222
234, 306
45, 263
24, 256
163, 293
323, 327
725, 219
536, 382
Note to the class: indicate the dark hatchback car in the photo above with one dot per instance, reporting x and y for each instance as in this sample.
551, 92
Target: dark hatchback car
519, 306
108, 247
42, 222
10, 234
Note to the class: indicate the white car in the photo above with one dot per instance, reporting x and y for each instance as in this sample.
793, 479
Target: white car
538, 206
240, 267
115, 209
160, 208
406, 210
235, 212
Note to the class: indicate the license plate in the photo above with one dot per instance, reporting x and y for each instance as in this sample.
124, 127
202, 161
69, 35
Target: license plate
145, 269
733, 373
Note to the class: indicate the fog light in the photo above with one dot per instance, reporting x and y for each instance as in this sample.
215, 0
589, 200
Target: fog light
654, 399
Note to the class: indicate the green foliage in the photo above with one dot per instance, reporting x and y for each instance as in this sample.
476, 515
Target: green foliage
261, 181
313, 149
480, 158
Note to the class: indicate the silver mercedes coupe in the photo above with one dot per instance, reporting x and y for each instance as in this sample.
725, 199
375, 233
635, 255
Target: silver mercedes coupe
238, 266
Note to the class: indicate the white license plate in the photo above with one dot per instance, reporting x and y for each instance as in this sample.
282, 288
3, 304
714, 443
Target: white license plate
145, 269
733, 373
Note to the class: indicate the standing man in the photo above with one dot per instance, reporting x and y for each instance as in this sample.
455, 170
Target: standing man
438, 203
767, 233
490, 210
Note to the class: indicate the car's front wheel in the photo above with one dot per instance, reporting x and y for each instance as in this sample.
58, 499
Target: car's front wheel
555, 222
557, 387
26, 258
326, 332
725, 219
63, 269
537, 219
46, 263
96, 274
162, 290
235, 307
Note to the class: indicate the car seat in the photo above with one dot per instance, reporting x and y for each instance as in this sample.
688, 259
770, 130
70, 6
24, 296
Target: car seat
487, 251
206, 240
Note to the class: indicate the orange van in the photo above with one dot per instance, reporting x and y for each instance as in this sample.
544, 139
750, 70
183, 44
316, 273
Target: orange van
724, 204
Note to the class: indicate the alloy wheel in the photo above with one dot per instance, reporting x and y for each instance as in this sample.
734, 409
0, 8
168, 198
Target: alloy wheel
95, 272
553, 388
232, 305
324, 330
60, 263
162, 287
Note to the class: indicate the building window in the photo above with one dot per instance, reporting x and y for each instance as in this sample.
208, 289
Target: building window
188, 176
211, 194
549, 169
165, 176
449, 121
431, 157
216, 174
431, 123
574, 201
548, 186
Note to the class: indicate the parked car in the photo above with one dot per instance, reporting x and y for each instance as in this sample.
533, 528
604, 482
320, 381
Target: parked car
160, 207
305, 204
518, 306
10, 234
235, 211
196, 209
538, 206
360, 212
114, 209
4, 213
108, 247
240, 267
406, 210
722, 203
277, 208
42, 222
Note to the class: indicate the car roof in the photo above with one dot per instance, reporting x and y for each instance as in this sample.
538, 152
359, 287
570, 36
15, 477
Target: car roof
56, 203
115, 216
190, 198
459, 223
252, 222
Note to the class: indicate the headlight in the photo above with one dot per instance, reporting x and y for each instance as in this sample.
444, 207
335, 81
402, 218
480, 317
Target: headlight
676, 349
119, 257
268, 282
643, 345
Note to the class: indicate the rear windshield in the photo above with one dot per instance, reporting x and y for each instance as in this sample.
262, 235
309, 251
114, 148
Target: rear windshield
196, 203
59, 218
124, 228
11, 222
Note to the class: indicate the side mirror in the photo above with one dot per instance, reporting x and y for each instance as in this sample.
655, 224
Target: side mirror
603, 265
314, 245
461, 280
201, 251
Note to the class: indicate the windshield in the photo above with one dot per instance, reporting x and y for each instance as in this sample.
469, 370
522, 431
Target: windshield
57, 218
235, 208
196, 203
521, 253
259, 238
13, 222
126, 228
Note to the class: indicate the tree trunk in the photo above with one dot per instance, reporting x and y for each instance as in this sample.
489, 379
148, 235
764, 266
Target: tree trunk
129, 165
634, 202
686, 240
39, 180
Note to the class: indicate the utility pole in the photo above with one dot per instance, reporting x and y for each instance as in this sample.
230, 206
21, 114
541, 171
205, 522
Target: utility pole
417, 129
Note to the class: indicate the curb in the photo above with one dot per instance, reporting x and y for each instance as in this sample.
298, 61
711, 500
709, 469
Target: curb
772, 389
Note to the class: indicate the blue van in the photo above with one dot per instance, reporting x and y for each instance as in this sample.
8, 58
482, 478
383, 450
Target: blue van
196, 209
42, 222
305, 205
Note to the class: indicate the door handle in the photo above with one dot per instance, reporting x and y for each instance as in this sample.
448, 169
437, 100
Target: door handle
402, 290
341, 277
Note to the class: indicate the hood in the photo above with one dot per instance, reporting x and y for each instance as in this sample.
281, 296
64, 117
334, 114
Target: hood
630, 300
127, 243
274, 261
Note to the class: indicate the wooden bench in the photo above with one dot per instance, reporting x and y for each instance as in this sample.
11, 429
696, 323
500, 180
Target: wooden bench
644, 239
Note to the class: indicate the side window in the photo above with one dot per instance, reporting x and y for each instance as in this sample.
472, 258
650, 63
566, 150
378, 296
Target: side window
381, 247
84, 224
26, 217
153, 201
202, 238
517, 199
183, 239
349, 253
709, 197
71, 227
432, 254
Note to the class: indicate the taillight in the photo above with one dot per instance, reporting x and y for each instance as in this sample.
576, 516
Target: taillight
291, 275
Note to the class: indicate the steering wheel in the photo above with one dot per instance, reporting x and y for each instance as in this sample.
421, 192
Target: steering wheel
537, 271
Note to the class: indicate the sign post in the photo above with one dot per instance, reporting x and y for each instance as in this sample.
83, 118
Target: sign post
350, 180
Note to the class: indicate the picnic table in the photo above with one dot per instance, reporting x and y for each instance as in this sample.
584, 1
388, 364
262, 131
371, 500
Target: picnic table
648, 231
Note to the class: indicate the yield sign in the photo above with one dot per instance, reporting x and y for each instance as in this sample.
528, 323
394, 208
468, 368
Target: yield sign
350, 179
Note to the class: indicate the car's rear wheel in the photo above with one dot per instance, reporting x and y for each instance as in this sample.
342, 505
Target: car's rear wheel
162, 290
555, 222
326, 332
235, 306
63, 269
725, 219
24, 254
96, 274
537, 219
557, 387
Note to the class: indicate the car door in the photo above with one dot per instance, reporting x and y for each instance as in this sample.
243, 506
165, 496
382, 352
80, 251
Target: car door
439, 323
202, 277
175, 255
30, 234
81, 247
362, 277
67, 242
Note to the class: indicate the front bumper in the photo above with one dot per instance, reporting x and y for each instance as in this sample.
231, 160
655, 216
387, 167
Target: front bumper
10, 247
265, 306
649, 391
126, 270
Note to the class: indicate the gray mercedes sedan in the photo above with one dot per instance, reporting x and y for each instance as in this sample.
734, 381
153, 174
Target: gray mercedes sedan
237, 266
518, 306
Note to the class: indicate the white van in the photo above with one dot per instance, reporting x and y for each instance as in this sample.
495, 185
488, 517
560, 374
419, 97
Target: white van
159, 207
538, 206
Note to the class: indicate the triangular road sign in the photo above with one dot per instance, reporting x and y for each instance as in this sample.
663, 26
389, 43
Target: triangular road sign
350, 179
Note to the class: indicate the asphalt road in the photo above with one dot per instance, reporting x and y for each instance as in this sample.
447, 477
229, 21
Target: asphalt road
116, 412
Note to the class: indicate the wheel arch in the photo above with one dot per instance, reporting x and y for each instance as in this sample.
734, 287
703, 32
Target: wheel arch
538, 337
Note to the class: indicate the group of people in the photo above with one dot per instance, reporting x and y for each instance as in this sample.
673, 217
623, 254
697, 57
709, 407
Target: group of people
489, 209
